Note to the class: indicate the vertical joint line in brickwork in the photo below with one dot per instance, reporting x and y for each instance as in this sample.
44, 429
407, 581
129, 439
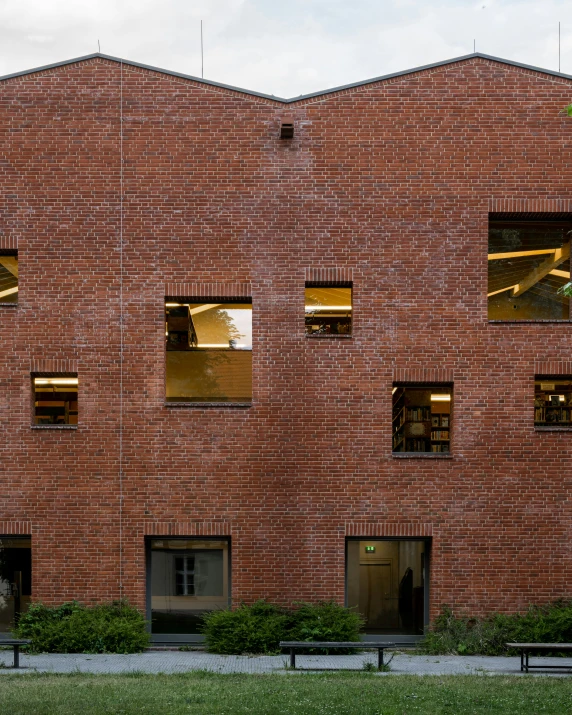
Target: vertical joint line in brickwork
121, 594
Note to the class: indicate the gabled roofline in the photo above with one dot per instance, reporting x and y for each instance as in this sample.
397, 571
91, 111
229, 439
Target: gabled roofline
281, 100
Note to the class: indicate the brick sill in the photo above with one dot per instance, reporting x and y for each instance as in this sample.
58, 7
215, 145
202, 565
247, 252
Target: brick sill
240, 405
553, 429
528, 322
422, 455
58, 427
330, 336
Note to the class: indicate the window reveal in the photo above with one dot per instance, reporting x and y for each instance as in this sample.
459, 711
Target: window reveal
55, 400
208, 351
528, 264
8, 277
328, 309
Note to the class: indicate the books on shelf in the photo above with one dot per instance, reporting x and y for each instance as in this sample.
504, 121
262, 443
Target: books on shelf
442, 447
440, 434
418, 414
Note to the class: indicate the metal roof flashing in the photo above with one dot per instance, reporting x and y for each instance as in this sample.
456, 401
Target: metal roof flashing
292, 100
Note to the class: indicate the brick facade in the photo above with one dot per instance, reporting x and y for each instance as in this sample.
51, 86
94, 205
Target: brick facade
388, 183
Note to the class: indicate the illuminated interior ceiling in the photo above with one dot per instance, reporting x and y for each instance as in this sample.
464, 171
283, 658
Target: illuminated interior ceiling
217, 324
8, 275
529, 254
332, 298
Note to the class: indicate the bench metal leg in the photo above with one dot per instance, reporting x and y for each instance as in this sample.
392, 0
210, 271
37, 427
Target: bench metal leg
379, 658
292, 658
16, 656
526, 662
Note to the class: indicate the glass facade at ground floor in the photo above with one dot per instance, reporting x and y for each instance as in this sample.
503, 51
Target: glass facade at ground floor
386, 581
15, 579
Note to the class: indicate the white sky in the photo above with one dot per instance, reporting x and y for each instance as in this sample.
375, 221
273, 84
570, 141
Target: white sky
284, 47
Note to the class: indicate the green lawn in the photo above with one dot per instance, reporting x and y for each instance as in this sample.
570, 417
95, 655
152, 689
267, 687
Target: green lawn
281, 694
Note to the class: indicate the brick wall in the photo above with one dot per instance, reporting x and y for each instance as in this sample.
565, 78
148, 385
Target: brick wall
390, 183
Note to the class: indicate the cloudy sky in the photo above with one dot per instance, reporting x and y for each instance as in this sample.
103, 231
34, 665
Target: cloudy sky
284, 47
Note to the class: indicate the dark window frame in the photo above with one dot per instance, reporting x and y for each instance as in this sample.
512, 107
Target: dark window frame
330, 284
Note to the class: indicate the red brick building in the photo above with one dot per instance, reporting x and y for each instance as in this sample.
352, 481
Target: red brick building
246, 348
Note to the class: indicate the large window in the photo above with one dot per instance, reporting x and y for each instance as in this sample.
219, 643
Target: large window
328, 309
55, 400
187, 578
528, 264
422, 418
15, 579
553, 401
208, 351
386, 582
8, 277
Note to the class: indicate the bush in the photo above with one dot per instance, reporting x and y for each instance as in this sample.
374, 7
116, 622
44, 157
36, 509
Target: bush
260, 627
325, 621
72, 628
247, 629
551, 623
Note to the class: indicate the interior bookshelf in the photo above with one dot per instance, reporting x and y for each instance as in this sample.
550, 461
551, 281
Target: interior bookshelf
421, 419
553, 402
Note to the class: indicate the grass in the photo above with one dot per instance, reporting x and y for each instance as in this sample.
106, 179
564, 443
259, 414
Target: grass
201, 693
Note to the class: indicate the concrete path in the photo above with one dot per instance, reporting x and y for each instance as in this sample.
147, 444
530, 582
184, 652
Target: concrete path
183, 662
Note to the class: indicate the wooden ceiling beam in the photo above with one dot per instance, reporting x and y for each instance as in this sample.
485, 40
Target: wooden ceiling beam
538, 273
520, 254
10, 263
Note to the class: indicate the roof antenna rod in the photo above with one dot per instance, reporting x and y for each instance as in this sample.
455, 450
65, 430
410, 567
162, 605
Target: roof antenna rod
474, 46
202, 59
559, 46
98, 47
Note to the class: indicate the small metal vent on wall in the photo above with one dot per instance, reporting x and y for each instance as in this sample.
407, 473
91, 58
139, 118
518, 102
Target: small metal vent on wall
287, 129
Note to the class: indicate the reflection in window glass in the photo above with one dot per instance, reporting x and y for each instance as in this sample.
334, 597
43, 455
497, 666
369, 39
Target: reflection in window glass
386, 584
8, 277
15, 579
209, 352
55, 400
422, 418
553, 401
528, 264
328, 309
188, 578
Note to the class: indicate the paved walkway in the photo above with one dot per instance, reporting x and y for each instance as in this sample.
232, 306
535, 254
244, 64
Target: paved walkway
183, 662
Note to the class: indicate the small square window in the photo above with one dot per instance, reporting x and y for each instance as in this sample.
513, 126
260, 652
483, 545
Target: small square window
328, 309
422, 418
55, 399
8, 276
553, 401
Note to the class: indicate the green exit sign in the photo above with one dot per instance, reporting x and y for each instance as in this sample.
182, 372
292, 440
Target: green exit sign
370, 549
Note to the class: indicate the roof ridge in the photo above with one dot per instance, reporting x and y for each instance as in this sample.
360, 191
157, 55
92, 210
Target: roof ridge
291, 100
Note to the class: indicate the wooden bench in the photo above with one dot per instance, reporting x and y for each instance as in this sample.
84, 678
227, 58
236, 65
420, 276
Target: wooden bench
373, 645
526, 648
15, 643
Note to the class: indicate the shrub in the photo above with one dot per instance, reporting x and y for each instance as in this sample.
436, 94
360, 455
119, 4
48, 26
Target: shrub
325, 621
247, 629
551, 623
72, 628
260, 627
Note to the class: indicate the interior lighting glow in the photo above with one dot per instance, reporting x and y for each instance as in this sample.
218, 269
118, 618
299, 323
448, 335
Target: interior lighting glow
55, 381
175, 305
8, 291
394, 391
520, 254
440, 398
313, 308
502, 290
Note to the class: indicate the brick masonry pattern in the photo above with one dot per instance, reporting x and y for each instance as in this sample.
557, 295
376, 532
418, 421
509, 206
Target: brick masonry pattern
389, 183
